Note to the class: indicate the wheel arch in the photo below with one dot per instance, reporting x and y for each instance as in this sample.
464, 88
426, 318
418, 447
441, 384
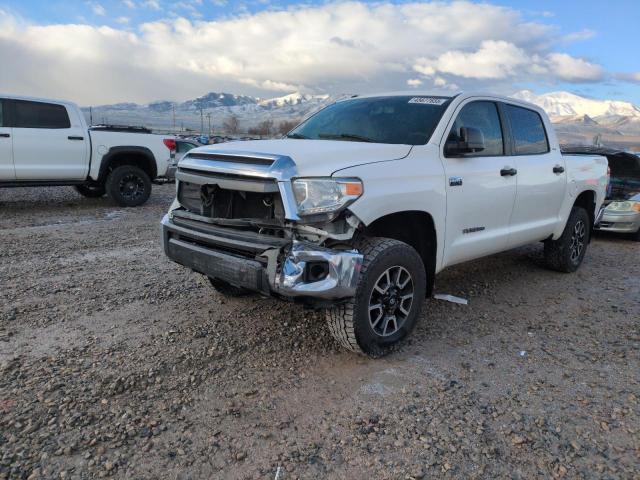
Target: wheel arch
587, 200
140, 157
415, 228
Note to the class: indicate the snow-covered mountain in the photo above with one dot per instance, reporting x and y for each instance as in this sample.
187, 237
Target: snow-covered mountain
562, 104
163, 114
292, 99
577, 119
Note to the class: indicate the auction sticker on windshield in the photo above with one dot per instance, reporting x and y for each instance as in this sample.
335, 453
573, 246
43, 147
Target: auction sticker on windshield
428, 100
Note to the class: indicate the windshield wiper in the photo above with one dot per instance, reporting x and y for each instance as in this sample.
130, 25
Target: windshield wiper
298, 135
347, 136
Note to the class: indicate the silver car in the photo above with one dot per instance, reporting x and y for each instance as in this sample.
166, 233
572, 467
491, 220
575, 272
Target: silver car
622, 206
623, 216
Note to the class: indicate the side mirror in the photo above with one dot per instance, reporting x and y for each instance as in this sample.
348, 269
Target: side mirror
470, 140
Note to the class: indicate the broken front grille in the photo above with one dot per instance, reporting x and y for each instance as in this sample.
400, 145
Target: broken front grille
231, 197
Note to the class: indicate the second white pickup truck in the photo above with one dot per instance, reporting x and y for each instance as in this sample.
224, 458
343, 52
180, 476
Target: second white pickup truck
362, 205
47, 142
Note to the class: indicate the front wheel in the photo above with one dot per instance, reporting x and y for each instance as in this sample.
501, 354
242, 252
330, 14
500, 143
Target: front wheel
128, 186
388, 299
567, 252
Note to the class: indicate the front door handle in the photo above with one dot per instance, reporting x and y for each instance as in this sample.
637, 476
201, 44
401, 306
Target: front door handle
75, 138
4, 135
558, 169
508, 172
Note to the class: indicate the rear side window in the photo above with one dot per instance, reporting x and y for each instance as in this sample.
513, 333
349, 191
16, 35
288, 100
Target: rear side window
39, 115
1, 115
484, 117
529, 135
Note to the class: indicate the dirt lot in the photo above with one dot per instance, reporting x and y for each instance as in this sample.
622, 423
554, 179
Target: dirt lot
115, 362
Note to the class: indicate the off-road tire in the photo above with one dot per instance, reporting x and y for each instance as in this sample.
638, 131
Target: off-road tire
91, 190
636, 236
227, 289
350, 322
560, 254
121, 179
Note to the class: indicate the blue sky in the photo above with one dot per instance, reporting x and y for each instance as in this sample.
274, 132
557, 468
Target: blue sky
159, 49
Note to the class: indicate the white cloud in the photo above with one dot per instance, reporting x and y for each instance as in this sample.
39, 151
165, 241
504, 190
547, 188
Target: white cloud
573, 69
123, 20
633, 77
337, 47
501, 60
414, 82
98, 9
152, 4
129, 3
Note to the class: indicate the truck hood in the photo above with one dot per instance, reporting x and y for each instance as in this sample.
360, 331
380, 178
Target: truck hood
316, 157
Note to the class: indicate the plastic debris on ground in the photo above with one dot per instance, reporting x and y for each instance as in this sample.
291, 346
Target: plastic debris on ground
451, 298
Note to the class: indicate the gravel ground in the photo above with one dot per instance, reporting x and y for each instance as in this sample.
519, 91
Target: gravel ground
115, 362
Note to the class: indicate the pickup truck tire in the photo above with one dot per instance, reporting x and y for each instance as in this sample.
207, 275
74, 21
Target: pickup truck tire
91, 190
567, 252
128, 186
225, 288
387, 302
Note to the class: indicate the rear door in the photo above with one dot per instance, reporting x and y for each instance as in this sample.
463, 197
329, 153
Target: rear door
47, 145
7, 172
480, 196
541, 177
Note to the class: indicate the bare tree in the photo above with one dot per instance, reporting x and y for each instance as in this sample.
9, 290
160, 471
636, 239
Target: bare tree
232, 124
265, 127
287, 125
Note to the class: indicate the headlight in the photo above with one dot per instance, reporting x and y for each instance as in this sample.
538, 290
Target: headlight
325, 195
626, 206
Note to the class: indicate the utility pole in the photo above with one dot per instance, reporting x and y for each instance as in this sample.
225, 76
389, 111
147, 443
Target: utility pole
201, 122
90, 116
209, 118
173, 108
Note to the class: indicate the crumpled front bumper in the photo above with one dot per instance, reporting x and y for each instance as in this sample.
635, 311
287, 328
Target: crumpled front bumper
342, 272
282, 268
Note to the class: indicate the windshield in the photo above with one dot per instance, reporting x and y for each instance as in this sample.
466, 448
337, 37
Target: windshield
408, 120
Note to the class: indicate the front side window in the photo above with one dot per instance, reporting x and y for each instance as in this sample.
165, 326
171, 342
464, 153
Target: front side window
408, 120
1, 110
484, 117
29, 114
529, 135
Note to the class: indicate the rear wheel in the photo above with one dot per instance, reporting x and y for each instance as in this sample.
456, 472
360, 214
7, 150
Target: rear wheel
128, 186
636, 236
567, 252
225, 288
91, 190
388, 299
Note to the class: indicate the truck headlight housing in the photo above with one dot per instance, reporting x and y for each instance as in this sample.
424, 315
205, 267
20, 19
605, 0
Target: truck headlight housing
624, 206
325, 195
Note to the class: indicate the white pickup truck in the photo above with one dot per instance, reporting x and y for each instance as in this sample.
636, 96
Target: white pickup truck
359, 207
47, 142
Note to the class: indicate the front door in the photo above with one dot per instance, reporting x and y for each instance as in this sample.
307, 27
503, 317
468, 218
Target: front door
46, 146
7, 172
480, 196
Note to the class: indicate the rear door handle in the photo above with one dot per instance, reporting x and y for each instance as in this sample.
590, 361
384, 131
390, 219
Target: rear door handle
508, 172
558, 169
4, 135
75, 138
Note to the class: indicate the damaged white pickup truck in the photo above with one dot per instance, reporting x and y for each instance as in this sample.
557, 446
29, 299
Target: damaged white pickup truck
359, 207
